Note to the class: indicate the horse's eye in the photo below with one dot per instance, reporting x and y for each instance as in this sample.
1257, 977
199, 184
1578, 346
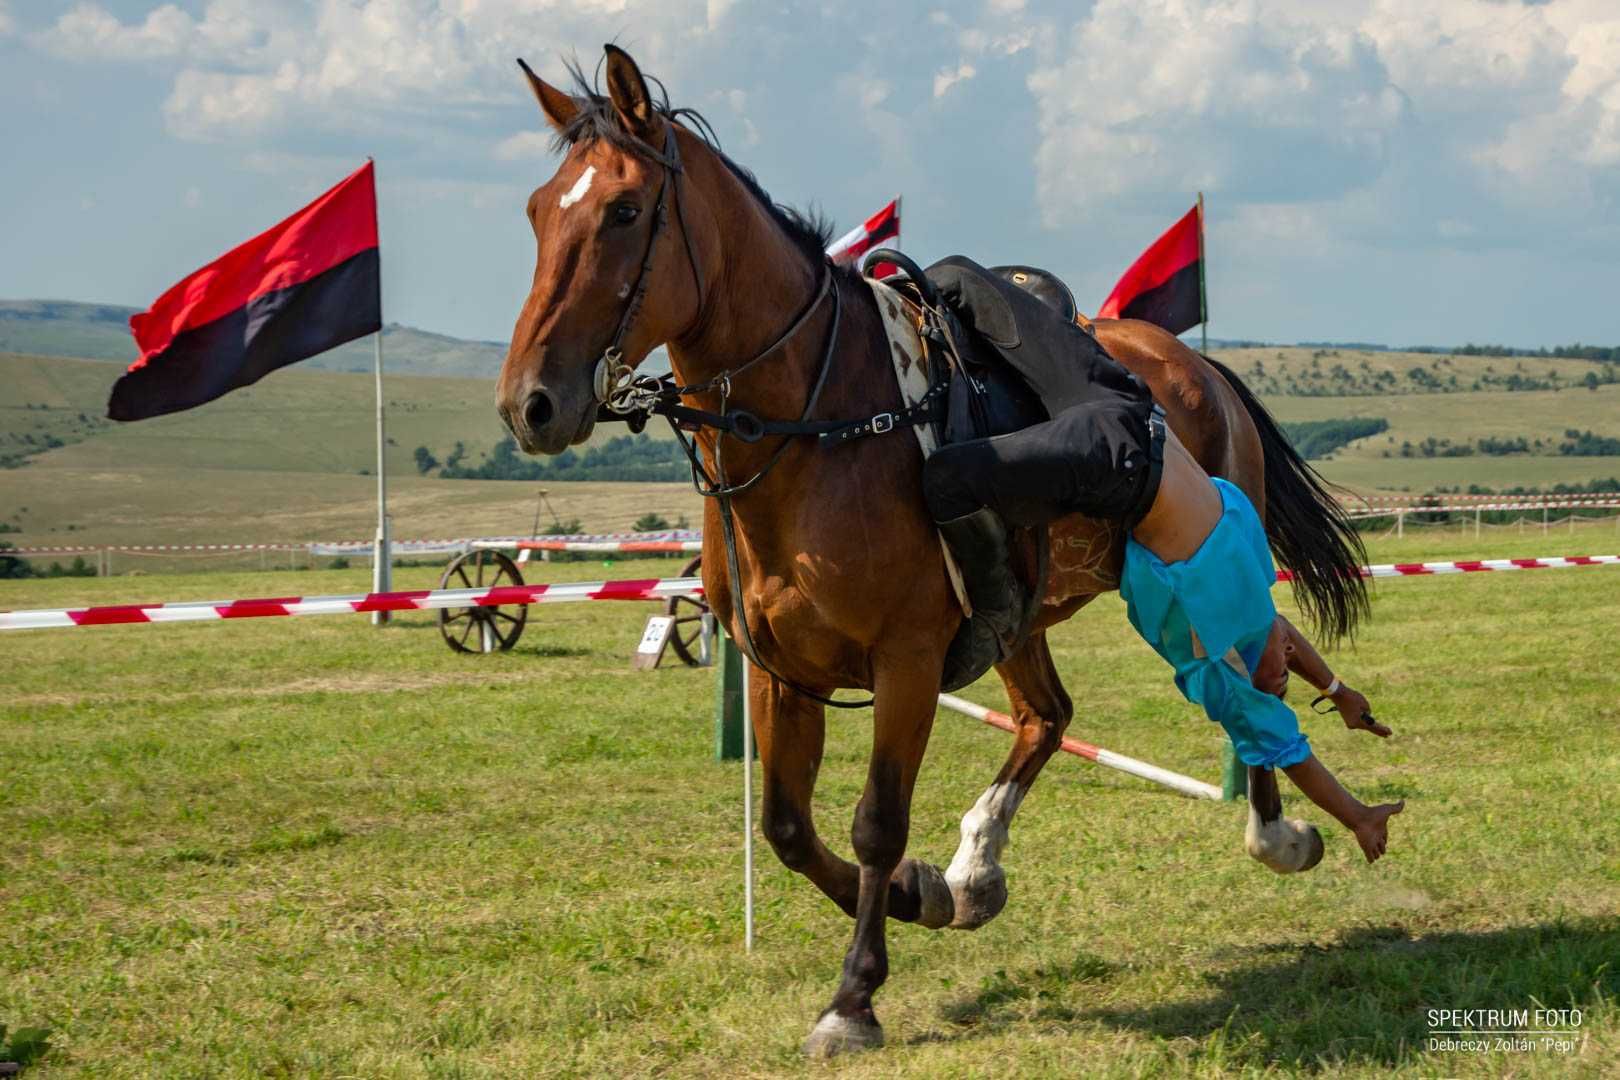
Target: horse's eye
624, 214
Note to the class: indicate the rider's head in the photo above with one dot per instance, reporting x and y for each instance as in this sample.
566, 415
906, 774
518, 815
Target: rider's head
1271, 672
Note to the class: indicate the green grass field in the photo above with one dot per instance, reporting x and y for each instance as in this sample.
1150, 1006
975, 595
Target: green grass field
310, 848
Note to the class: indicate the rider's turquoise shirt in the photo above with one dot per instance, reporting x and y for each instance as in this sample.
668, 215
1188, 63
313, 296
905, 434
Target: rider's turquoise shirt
1223, 592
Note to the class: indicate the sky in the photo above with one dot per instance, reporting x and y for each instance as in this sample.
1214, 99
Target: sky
1374, 170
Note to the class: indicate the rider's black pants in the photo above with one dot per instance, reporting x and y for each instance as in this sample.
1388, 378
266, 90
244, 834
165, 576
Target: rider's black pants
1101, 459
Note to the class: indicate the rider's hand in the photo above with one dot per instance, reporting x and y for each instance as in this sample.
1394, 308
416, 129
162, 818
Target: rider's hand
1357, 712
1372, 832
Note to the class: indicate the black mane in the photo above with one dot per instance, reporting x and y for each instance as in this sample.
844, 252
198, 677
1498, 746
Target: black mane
809, 230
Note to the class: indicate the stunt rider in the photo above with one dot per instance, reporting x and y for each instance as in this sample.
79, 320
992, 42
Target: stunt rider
1198, 571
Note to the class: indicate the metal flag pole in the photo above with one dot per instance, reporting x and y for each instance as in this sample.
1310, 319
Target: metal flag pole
382, 569
1203, 301
748, 811
381, 560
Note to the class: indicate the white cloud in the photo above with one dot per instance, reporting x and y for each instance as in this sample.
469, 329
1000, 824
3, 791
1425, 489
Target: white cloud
736, 99
244, 68
1169, 103
524, 146
1367, 114
947, 78
205, 104
92, 30
7, 24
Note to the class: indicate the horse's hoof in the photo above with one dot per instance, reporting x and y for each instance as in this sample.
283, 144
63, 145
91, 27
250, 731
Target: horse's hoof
1285, 846
980, 901
834, 1035
937, 907
1317, 848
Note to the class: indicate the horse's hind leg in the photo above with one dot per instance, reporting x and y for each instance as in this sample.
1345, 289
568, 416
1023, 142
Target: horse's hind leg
1286, 845
1042, 709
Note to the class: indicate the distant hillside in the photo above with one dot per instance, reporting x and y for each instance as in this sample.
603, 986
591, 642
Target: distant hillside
101, 332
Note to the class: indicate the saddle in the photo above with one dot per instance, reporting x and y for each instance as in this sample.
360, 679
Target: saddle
977, 315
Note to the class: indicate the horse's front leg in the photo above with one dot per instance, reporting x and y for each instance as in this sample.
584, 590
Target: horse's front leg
790, 731
1287, 845
906, 684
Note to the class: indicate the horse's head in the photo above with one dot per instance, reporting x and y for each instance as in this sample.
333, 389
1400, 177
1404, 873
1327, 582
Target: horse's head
600, 244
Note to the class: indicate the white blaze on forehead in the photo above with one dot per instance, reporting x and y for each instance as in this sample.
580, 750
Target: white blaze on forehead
581, 186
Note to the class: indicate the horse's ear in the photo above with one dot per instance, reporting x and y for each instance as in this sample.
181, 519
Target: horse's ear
560, 109
628, 90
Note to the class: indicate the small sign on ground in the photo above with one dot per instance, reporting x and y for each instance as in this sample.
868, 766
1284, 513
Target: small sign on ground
653, 639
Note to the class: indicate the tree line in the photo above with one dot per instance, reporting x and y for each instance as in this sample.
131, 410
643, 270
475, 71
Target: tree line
624, 457
1319, 438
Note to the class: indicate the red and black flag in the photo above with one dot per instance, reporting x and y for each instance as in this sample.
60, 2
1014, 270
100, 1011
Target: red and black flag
1165, 285
307, 285
882, 229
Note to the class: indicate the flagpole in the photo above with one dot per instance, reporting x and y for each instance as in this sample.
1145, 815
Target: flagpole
381, 560
1203, 301
381, 576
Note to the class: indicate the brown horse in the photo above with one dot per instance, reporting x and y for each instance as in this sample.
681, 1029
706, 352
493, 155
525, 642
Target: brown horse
841, 581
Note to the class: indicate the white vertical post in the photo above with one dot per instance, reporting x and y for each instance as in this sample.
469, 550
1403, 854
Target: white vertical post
748, 810
381, 562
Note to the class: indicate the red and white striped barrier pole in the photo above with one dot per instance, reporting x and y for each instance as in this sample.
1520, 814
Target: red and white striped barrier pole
1184, 784
1475, 566
639, 589
412, 600
664, 547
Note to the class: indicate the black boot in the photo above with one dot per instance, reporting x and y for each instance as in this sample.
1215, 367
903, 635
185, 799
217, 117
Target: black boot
980, 543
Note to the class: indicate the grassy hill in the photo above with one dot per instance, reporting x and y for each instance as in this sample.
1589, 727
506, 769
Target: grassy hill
1303, 371
290, 458
101, 332
299, 420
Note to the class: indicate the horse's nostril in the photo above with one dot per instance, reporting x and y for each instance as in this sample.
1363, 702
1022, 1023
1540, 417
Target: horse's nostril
538, 410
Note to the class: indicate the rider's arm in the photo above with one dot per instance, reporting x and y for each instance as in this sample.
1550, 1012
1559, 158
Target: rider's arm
1307, 663
1369, 823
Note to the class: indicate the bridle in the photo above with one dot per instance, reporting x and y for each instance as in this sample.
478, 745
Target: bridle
624, 395
611, 380
621, 394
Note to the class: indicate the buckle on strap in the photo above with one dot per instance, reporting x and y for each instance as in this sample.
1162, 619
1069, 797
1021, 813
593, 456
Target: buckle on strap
882, 423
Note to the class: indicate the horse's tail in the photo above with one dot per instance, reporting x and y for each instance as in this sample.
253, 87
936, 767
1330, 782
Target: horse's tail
1307, 527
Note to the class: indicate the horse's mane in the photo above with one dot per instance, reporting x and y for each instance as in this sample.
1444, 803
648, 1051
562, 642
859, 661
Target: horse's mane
810, 230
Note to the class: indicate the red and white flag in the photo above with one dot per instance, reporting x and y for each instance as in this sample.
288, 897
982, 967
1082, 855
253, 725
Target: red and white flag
882, 229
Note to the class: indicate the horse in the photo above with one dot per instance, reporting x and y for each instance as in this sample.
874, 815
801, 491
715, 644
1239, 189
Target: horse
837, 579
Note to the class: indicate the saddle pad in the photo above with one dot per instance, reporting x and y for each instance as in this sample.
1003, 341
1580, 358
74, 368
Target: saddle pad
901, 321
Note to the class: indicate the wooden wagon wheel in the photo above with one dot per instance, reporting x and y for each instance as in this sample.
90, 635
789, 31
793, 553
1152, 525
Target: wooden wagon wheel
482, 629
685, 636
